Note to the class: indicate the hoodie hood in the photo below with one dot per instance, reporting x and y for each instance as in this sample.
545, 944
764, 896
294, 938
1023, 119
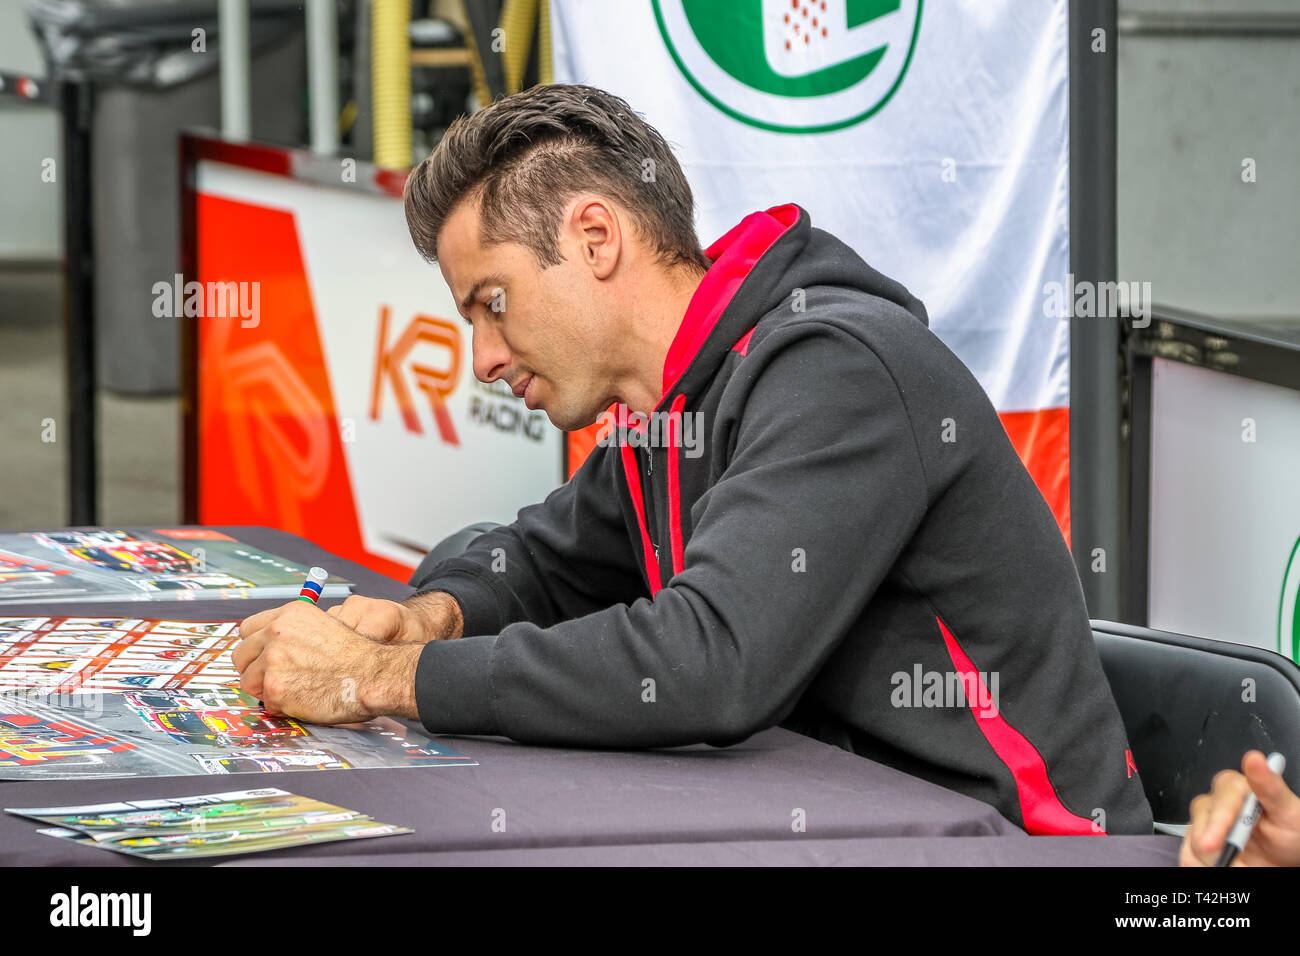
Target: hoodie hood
755, 269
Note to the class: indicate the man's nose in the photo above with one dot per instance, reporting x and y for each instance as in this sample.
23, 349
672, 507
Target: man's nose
491, 357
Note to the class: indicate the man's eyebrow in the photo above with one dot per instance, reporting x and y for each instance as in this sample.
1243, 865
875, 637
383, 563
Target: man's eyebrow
466, 302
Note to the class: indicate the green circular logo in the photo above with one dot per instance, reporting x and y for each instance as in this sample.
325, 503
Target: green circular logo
792, 66
1288, 611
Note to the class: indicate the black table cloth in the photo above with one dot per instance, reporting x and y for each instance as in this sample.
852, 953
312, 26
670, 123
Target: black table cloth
779, 798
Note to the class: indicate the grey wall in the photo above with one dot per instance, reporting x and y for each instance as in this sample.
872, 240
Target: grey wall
137, 204
30, 210
1191, 108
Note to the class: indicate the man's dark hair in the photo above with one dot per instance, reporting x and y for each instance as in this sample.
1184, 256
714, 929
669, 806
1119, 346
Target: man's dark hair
524, 156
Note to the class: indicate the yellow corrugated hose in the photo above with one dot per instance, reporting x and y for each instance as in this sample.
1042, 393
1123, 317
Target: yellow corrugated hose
518, 19
545, 65
390, 81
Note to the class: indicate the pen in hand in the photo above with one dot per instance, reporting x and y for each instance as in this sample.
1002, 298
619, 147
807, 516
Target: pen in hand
1239, 835
312, 587
311, 591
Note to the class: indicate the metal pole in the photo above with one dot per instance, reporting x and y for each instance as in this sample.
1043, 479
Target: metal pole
1213, 24
322, 75
1096, 479
77, 105
232, 26
363, 133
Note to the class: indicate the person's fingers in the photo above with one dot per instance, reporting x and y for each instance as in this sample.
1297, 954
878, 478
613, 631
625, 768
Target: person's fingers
249, 649
1274, 796
1196, 828
1227, 796
348, 613
374, 618
256, 622
1191, 853
1187, 855
353, 610
251, 680
381, 624
1274, 839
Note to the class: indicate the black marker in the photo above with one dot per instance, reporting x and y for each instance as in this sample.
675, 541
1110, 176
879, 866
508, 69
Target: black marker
1250, 814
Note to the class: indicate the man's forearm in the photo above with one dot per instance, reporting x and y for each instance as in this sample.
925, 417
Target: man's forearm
439, 616
389, 688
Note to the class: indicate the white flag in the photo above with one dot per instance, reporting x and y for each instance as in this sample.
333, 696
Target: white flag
933, 138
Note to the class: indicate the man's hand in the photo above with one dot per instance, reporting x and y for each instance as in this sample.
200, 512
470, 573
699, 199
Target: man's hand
304, 663
420, 619
385, 621
1275, 840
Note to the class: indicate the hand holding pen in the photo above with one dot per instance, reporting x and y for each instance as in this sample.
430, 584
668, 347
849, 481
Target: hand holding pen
1254, 809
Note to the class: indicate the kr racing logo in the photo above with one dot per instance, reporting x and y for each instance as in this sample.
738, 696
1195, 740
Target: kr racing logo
792, 66
436, 381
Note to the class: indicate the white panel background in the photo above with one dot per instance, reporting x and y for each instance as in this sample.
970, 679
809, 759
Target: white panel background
1225, 513
358, 255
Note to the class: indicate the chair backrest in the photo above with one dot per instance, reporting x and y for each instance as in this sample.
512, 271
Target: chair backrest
448, 547
1193, 707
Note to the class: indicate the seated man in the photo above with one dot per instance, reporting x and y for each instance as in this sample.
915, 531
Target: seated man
805, 512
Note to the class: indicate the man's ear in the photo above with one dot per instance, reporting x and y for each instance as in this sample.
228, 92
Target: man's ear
599, 233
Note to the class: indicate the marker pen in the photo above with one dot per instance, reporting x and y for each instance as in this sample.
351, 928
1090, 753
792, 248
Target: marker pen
312, 587
1250, 814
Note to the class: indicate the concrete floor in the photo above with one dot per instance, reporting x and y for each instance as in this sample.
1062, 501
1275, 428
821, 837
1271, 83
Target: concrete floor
139, 438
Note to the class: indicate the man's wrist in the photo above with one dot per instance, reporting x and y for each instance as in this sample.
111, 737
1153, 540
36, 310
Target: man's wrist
438, 616
390, 691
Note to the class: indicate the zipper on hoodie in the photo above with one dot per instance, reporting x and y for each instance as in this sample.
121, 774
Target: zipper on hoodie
647, 493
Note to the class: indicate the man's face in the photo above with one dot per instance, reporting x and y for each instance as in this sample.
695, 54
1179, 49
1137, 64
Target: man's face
538, 330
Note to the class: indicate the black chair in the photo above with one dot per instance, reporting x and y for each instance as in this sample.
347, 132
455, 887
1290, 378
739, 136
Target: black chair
448, 547
1193, 707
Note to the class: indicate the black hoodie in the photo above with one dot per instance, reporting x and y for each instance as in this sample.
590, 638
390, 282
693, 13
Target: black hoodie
845, 543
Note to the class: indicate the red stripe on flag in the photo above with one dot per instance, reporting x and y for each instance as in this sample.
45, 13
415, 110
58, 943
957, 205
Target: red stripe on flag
1042, 439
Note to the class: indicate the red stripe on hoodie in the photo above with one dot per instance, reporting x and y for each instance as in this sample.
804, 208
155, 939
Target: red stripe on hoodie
633, 474
674, 486
733, 257
1041, 809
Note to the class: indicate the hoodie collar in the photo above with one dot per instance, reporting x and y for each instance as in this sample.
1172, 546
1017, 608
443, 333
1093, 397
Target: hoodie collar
733, 257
